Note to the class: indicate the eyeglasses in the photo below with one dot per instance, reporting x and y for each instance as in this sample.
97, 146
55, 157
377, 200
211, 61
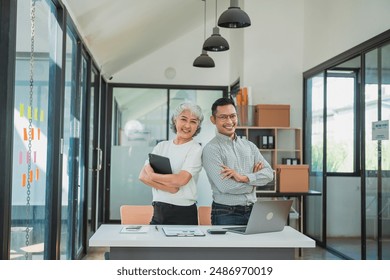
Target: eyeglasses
224, 118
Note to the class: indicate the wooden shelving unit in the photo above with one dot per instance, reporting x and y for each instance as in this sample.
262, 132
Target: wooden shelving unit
287, 142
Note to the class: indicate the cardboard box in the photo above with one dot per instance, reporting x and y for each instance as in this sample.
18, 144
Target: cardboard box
293, 178
272, 115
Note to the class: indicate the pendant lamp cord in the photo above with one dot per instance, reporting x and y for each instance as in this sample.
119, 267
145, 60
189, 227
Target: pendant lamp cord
204, 19
29, 173
216, 8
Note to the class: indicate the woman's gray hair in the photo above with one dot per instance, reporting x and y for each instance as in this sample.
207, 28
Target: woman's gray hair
193, 108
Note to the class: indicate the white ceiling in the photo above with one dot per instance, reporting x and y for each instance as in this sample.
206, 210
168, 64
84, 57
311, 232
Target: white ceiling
121, 32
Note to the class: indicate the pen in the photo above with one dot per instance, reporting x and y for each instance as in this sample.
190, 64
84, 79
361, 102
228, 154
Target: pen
156, 228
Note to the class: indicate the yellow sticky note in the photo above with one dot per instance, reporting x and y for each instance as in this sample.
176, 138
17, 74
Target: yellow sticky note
29, 114
36, 114
21, 110
42, 116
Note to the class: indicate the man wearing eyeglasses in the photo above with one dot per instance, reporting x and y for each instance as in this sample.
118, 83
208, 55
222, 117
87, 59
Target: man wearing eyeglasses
234, 167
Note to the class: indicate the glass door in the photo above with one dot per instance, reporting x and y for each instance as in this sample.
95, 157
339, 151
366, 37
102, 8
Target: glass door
69, 152
343, 224
377, 149
79, 201
314, 154
94, 153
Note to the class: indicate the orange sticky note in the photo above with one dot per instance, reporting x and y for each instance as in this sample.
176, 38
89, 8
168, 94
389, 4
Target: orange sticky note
37, 174
25, 135
39, 134
32, 133
30, 178
24, 180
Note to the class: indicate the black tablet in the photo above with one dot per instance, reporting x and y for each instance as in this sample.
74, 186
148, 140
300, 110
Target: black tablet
160, 164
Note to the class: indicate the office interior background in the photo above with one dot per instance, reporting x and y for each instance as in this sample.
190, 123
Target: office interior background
87, 88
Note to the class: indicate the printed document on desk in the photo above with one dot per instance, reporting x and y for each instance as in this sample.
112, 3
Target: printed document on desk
183, 232
133, 229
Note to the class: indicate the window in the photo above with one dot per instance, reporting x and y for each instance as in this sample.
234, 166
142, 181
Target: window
340, 117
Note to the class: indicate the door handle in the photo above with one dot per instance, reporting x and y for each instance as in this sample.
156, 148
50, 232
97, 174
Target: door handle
99, 160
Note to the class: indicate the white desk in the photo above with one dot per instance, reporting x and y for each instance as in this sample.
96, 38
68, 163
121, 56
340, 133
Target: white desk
155, 245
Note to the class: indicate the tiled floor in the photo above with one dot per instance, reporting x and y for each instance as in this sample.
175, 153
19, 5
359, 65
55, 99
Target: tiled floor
307, 254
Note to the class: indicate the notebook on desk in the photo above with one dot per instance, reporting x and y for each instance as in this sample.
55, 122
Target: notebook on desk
266, 216
183, 231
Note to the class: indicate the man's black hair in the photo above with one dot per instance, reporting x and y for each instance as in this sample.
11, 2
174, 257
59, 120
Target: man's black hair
221, 102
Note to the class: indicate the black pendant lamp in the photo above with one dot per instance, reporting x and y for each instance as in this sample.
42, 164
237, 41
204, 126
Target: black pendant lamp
204, 61
234, 17
216, 43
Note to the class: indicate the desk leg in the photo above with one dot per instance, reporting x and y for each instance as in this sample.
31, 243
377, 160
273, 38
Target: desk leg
300, 219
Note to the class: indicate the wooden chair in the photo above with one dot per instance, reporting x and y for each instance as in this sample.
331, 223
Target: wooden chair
136, 214
204, 215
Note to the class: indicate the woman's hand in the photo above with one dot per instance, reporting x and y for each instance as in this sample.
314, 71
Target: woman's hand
149, 170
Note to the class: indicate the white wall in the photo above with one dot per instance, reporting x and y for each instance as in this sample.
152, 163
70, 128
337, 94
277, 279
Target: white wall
334, 26
273, 54
180, 54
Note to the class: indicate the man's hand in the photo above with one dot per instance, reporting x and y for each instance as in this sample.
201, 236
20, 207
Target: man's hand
228, 173
258, 166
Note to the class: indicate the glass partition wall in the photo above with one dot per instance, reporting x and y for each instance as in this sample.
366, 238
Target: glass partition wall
377, 160
345, 99
29, 189
49, 195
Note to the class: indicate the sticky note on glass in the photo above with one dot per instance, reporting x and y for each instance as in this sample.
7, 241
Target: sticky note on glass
21, 110
37, 174
24, 180
42, 116
29, 113
25, 135
31, 176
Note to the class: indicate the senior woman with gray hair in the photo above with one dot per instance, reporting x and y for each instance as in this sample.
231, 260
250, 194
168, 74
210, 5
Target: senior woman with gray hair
174, 195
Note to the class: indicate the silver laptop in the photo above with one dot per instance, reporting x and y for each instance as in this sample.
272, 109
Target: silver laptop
266, 216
